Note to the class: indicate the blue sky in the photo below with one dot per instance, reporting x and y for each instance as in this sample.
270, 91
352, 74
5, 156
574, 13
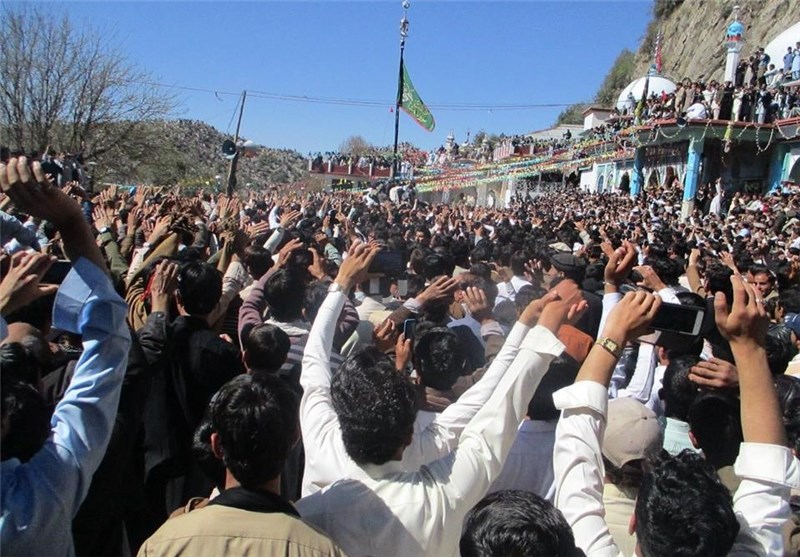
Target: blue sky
487, 53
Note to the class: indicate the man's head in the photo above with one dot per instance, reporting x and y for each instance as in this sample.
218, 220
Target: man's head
716, 426
632, 434
513, 522
25, 420
257, 260
376, 407
440, 358
678, 392
683, 509
284, 291
761, 278
255, 424
199, 288
265, 348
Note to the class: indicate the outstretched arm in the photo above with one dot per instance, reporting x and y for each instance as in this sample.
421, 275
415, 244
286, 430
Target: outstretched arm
577, 459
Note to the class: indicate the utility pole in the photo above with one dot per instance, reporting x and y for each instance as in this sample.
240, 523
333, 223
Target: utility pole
235, 159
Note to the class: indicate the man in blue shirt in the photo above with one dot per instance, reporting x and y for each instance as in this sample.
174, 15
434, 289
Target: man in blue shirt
40, 497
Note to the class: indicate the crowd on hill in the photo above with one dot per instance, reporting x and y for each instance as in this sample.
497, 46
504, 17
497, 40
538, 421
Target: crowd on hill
760, 92
284, 373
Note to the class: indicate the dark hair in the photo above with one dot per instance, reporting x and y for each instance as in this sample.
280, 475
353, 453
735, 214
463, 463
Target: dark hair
677, 391
212, 467
284, 292
257, 423
561, 373
790, 299
489, 289
376, 406
519, 261
780, 349
440, 358
719, 280
200, 287
266, 348
417, 260
257, 260
28, 418
437, 265
516, 523
715, 421
788, 388
526, 295
19, 364
316, 292
481, 269
481, 253
683, 509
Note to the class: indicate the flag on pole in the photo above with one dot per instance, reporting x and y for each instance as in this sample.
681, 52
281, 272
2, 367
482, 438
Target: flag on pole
410, 102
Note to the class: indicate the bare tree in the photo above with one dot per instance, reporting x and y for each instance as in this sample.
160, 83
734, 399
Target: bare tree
70, 88
355, 145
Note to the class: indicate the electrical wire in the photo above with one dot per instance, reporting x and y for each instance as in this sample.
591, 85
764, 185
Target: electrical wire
367, 103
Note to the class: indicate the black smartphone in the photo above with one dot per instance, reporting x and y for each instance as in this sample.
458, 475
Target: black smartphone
57, 272
389, 263
677, 318
409, 328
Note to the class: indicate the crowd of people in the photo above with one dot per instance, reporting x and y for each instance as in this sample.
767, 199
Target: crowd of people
292, 373
379, 157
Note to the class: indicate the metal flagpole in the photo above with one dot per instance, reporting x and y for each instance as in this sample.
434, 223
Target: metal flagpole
399, 103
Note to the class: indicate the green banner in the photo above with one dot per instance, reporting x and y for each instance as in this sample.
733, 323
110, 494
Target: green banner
413, 105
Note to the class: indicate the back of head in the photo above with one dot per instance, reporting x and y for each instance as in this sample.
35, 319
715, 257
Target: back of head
285, 294
439, 358
790, 299
26, 420
376, 406
257, 260
715, 422
780, 349
266, 348
516, 523
718, 277
257, 423
684, 509
526, 295
788, 388
561, 373
199, 287
678, 392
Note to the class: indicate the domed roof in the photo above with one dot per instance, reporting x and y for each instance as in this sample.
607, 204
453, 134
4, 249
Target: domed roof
658, 83
777, 47
735, 29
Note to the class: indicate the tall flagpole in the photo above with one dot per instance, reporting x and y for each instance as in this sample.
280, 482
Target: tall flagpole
399, 102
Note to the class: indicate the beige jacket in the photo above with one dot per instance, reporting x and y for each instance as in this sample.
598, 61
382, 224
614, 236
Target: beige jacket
218, 530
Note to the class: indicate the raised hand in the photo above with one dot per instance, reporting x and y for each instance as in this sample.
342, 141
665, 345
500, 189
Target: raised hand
440, 289
22, 283
620, 262
33, 193
715, 374
650, 278
163, 285
286, 251
567, 303
631, 317
747, 321
477, 304
289, 218
402, 352
355, 269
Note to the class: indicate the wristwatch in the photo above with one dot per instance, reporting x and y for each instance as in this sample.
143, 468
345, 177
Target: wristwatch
610, 346
335, 287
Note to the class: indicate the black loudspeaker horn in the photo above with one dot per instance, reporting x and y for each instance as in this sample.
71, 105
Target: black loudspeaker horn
228, 149
681, 121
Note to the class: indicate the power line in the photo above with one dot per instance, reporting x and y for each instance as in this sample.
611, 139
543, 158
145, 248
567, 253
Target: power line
368, 103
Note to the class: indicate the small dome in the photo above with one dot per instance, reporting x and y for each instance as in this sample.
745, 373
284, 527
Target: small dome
777, 46
735, 29
657, 85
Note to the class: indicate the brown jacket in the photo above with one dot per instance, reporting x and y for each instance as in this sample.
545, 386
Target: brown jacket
217, 530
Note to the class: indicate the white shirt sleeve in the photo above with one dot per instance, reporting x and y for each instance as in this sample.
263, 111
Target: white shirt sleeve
441, 436
578, 466
467, 472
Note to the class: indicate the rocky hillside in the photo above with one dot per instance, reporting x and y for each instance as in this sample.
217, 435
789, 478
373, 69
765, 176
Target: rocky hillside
187, 152
694, 30
693, 34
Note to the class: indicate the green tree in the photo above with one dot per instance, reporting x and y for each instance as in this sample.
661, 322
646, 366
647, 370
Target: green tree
572, 114
617, 78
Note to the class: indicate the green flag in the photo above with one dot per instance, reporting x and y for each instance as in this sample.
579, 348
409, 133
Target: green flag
413, 106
